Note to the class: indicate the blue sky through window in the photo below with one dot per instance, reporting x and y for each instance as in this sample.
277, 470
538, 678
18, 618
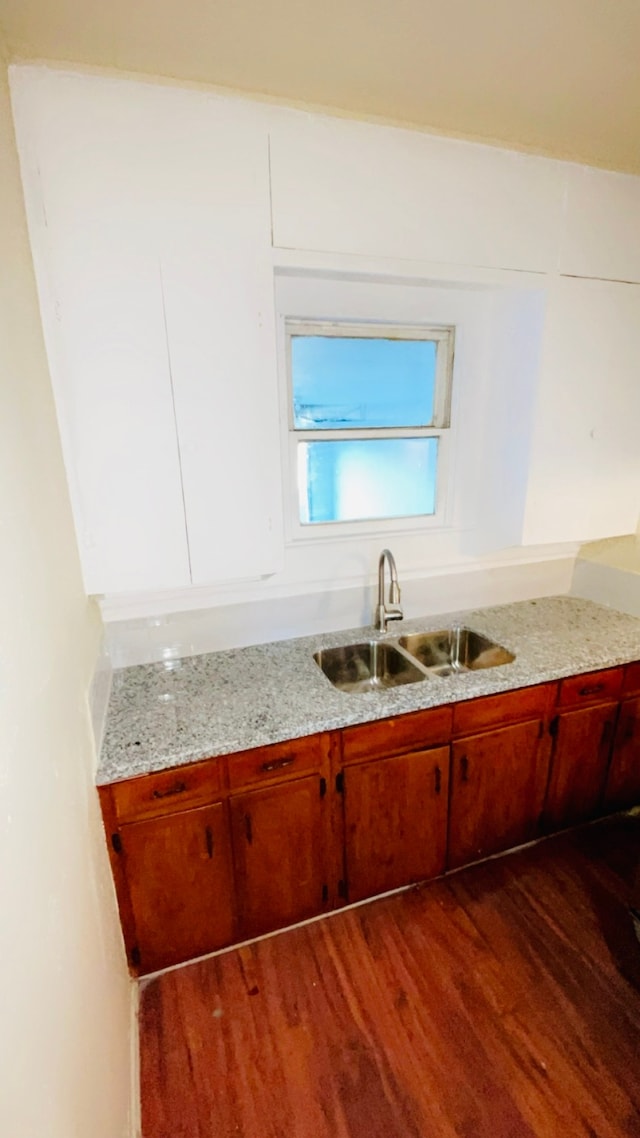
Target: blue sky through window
359, 382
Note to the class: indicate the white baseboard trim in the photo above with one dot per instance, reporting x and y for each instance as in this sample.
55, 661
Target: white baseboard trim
135, 1108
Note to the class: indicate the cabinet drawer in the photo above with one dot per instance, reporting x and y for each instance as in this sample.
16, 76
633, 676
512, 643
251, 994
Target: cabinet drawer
166, 792
631, 682
278, 761
411, 732
475, 715
594, 687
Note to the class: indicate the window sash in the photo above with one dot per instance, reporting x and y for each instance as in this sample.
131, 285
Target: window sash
442, 336
440, 428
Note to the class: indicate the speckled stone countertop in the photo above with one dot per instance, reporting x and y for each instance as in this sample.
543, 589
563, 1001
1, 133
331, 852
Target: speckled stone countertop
162, 715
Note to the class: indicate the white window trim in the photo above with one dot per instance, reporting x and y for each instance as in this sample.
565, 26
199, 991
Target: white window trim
298, 531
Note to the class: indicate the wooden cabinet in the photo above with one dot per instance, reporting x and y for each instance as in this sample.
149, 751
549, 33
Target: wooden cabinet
232, 847
178, 871
497, 790
622, 788
278, 848
579, 768
584, 731
395, 813
212, 852
499, 769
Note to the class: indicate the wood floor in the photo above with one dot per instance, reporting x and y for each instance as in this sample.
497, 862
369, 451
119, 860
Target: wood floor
503, 1002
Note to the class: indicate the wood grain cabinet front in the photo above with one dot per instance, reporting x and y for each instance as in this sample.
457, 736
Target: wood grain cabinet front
583, 730
179, 878
395, 820
622, 788
279, 854
499, 772
498, 781
236, 846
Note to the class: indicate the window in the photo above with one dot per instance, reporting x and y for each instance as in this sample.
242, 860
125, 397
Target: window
369, 416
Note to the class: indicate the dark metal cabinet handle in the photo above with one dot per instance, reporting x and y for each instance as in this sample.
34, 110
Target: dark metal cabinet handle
278, 764
592, 689
209, 837
248, 828
464, 768
437, 779
177, 788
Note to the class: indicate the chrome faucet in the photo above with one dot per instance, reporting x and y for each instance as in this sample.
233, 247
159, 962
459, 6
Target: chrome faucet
393, 610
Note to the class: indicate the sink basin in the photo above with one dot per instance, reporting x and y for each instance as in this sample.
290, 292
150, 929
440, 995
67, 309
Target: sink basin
455, 650
371, 666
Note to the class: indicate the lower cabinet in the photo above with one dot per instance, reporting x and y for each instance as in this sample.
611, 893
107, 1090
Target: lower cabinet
231, 847
278, 851
622, 787
497, 788
395, 815
180, 884
579, 766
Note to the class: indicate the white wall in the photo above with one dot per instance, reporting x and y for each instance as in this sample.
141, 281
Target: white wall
149, 204
65, 1023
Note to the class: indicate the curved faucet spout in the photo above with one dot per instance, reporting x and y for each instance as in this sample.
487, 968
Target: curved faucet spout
392, 611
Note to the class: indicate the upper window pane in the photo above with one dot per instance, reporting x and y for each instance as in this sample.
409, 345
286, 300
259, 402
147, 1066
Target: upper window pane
359, 382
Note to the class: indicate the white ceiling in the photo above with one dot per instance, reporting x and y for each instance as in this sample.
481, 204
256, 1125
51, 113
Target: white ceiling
559, 77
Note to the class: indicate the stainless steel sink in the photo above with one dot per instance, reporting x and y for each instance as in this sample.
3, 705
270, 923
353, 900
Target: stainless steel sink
455, 650
371, 666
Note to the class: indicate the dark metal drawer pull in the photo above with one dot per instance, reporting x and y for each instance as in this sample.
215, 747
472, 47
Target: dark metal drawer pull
278, 764
438, 779
592, 689
178, 788
464, 768
209, 837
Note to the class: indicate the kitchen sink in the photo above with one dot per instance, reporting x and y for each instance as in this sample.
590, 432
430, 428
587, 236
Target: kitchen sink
372, 666
455, 650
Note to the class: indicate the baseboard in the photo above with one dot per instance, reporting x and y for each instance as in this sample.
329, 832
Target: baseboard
135, 1107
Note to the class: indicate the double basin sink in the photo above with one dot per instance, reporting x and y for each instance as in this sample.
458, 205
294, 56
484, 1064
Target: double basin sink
379, 664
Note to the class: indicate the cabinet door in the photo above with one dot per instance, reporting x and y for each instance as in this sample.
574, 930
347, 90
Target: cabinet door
395, 821
497, 790
623, 781
179, 876
278, 852
579, 765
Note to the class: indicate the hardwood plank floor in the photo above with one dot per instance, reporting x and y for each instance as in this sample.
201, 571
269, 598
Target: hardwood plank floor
502, 1002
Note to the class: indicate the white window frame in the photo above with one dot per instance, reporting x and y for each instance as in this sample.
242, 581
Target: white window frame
444, 336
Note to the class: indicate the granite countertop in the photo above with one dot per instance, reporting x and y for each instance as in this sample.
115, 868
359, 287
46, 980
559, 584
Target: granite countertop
163, 715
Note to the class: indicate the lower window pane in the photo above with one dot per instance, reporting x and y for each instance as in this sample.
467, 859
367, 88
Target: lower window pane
361, 479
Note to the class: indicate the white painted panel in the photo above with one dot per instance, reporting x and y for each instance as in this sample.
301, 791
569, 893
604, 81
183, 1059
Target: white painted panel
83, 149
372, 190
602, 234
499, 476
584, 478
218, 285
